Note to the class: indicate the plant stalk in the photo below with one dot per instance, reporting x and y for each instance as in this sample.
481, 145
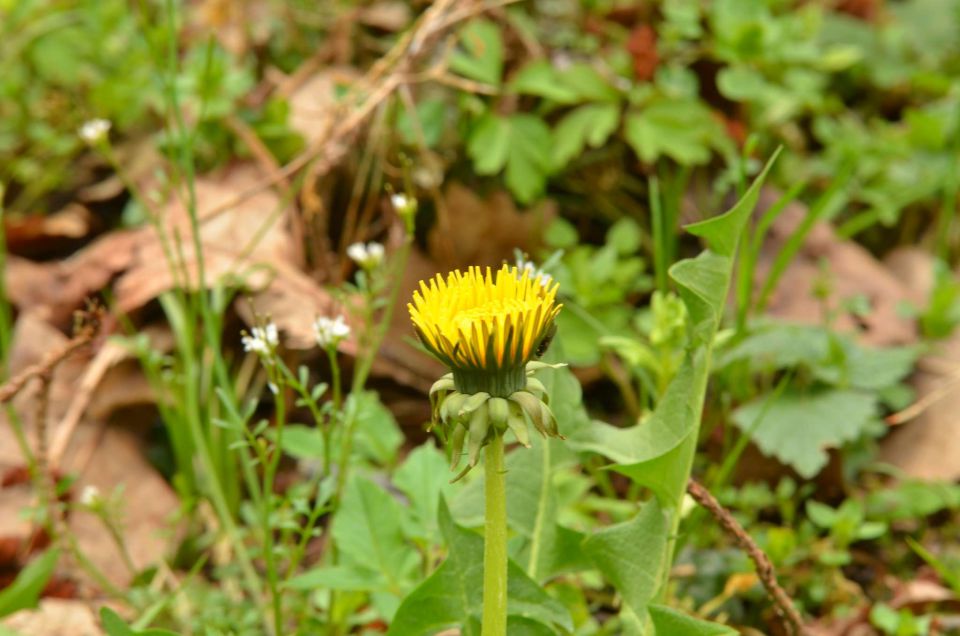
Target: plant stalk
495, 542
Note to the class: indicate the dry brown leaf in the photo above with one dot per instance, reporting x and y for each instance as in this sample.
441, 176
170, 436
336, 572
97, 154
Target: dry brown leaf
56, 617
928, 446
314, 103
851, 271
56, 290
105, 457
239, 244
484, 231
388, 16
41, 234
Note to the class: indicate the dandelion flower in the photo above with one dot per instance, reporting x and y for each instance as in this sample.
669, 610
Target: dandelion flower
487, 329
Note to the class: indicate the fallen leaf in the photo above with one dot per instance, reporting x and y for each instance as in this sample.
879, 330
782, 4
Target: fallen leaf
56, 617
474, 230
928, 445
851, 272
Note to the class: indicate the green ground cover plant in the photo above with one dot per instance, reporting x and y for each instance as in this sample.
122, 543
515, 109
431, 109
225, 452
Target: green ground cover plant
641, 161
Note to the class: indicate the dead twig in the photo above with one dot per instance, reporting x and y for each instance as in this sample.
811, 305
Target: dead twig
84, 336
791, 618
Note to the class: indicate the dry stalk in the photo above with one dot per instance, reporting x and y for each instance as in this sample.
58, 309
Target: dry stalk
14, 385
792, 621
380, 82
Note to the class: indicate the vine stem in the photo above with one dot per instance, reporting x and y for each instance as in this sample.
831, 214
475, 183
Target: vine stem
495, 542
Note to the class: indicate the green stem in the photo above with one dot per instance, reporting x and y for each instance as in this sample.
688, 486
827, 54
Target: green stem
495, 542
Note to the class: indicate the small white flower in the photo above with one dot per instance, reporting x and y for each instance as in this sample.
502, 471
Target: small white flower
261, 340
330, 331
273, 388
94, 131
89, 496
535, 273
366, 256
400, 201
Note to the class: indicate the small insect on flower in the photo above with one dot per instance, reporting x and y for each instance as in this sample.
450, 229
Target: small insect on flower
94, 131
261, 340
330, 331
487, 330
367, 256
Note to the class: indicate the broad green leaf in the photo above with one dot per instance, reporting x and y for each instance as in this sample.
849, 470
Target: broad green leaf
529, 158
338, 577
302, 442
591, 124
482, 56
378, 435
116, 626
489, 144
670, 424
424, 477
630, 555
798, 428
25, 590
429, 115
453, 595
588, 83
367, 530
540, 78
670, 622
722, 233
683, 130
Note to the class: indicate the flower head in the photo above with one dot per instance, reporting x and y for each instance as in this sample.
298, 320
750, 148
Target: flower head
261, 340
485, 327
366, 256
534, 272
89, 496
330, 331
94, 131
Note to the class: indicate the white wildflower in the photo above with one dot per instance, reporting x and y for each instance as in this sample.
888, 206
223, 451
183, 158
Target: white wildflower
273, 388
262, 340
94, 131
330, 331
535, 272
89, 496
366, 256
400, 201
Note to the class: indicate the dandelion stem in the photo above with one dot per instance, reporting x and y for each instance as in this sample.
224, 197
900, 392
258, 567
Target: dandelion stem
495, 542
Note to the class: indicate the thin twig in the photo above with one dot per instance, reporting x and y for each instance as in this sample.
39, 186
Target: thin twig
791, 618
14, 385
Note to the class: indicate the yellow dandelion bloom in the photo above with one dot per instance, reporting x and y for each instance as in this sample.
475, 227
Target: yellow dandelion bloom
485, 327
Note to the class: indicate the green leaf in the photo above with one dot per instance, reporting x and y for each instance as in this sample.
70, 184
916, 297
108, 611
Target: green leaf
798, 428
25, 590
116, 626
588, 83
378, 435
540, 78
489, 144
683, 130
722, 233
302, 442
630, 555
591, 125
453, 595
424, 477
482, 56
338, 577
529, 158
670, 622
430, 115
367, 530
